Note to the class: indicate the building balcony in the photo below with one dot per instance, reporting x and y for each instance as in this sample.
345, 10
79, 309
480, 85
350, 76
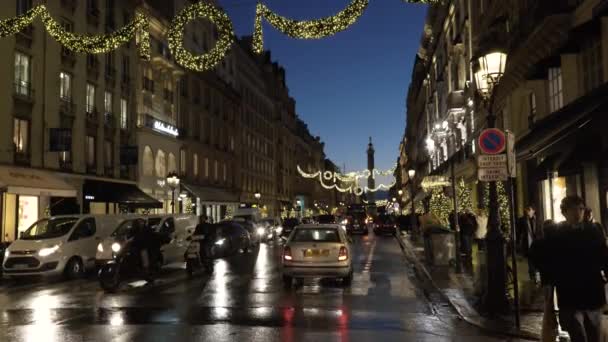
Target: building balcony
65, 165
67, 107
22, 91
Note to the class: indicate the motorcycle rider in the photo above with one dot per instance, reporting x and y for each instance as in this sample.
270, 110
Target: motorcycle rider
208, 231
146, 243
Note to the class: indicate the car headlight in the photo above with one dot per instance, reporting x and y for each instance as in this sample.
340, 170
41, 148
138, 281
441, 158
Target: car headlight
278, 229
261, 231
344, 221
6, 253
48, 251
116, 247
220, 242
100, 248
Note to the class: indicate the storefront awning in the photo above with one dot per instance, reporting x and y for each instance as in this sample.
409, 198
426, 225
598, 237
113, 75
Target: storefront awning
33, 182
121, 193
212, 195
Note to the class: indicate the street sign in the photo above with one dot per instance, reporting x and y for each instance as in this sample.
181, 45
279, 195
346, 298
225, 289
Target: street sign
492, 161
493, 174
511, 158
492, 141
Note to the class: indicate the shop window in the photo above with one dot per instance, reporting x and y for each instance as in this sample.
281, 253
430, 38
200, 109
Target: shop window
172, 167
556, 95
148, 162
21, 136
554, 191
27, 212
161, 164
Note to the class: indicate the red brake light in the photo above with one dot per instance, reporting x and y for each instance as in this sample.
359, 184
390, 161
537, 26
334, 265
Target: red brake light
287, 253
343, 255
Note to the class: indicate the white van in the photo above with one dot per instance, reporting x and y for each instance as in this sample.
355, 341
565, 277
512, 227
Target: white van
58, 245
178, 227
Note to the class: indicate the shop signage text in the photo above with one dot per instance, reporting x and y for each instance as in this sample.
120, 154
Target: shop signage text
493, 174
164, 127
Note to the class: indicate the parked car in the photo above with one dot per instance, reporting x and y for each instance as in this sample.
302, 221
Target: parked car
317, 251
385, 224
3, 248
357, 223
59, 245
231, 237
177, 227
288, 226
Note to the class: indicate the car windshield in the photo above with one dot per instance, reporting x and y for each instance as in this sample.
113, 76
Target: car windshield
316, 235
49, 228
385, 219
123, 229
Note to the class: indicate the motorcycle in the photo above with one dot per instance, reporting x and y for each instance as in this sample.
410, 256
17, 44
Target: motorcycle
126, 265
194, 259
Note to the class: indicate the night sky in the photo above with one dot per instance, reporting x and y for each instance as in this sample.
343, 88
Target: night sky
349, 86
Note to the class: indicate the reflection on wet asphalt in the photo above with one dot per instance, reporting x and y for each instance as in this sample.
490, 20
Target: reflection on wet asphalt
243, 300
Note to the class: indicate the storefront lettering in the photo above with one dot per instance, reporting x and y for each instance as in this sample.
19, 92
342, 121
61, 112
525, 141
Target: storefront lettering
25, 176
165, 128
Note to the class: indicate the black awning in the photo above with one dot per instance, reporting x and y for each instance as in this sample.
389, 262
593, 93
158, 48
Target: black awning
121, 193
212, 195
562, 124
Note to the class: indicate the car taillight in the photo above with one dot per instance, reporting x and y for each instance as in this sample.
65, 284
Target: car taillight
343, 255
287, 253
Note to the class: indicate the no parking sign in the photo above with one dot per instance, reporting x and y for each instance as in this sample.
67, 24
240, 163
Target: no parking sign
492, 141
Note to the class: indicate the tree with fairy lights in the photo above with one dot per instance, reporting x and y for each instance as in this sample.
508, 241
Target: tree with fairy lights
464, 196
440, 204
503, 200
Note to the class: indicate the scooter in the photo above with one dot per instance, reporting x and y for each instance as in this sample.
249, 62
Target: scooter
126, 265
194, 259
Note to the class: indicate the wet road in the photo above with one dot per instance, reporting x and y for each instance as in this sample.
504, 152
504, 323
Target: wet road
244, 300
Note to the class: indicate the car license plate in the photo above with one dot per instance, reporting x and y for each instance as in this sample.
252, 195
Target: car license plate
309, 253
20, 266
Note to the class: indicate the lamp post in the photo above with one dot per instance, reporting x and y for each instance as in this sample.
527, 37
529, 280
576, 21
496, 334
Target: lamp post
488, 70
299, 202
257, 196
173, 182
411, 174
400, 193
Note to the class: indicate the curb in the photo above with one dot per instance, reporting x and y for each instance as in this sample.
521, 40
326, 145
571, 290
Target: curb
473, 317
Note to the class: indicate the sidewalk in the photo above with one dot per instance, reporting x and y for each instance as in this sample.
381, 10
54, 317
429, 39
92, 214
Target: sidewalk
463, 291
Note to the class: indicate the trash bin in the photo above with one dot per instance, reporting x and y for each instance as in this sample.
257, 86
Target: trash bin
439, 246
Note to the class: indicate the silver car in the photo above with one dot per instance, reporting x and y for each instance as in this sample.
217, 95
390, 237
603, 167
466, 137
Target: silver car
317, 250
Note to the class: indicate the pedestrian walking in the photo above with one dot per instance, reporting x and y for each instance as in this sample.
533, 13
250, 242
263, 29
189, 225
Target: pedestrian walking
572, 259
468, 226
527, 233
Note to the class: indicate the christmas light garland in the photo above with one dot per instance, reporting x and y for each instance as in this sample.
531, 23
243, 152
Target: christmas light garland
313, 29
213, 57
350, 178
92, 44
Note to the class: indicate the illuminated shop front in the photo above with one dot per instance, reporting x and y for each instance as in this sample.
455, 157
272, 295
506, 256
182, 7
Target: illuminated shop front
27, 195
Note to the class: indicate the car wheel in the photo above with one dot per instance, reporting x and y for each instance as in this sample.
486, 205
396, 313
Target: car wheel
348, 279
74, 269
287, 280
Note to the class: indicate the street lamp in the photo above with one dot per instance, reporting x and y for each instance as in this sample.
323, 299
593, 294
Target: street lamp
257, 196
488, 70
173, 182
411, 174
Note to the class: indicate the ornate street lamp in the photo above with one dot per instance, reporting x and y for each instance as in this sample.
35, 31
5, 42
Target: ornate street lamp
173, 182
257, 196
411, 174
489, 68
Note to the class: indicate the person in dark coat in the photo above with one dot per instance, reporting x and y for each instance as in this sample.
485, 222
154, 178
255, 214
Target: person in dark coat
572, 258
527, 233
468, 226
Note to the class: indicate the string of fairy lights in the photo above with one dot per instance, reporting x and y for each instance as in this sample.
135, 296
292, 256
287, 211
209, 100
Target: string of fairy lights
352, 178
307, 29
138, 29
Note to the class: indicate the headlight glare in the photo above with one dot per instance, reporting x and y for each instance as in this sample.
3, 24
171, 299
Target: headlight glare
48, 251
